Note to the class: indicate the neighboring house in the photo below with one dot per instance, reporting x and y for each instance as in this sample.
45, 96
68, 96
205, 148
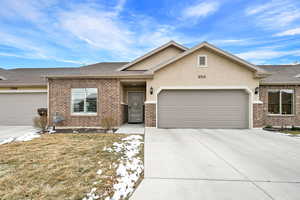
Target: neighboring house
169, 87
22, 92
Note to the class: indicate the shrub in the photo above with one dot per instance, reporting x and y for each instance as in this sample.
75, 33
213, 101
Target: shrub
268, 126
42, 111
295, 128
107, 123
40, 122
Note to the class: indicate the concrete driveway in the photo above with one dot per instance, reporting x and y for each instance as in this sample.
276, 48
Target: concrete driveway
219, 165
13, 131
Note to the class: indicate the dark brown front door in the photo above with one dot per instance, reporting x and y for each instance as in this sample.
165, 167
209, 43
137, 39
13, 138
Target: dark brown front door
135, 107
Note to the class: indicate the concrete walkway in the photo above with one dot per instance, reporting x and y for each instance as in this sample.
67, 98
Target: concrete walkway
13, 131
131, 129
219, 165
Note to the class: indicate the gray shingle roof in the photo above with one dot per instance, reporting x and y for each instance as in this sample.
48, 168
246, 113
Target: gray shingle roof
36, 76
30, 76
281, 74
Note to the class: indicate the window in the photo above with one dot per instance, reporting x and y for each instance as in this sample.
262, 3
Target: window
202, 61
281, 102
84, 100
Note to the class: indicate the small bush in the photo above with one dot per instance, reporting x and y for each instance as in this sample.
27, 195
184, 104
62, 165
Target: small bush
294, 128
42, 111
107, 123
268, 126
40, 122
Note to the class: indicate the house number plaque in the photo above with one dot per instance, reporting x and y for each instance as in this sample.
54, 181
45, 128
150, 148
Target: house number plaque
201, 76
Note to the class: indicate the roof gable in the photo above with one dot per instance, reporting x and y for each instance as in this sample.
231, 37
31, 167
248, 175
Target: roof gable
151, 53
251, 67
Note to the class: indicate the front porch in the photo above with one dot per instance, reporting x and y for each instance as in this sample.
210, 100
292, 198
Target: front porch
133, 95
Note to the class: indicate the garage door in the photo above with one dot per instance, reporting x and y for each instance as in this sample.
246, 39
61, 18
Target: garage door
19, 109
203, 109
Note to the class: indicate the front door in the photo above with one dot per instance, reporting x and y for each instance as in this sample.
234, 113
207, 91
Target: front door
135, 107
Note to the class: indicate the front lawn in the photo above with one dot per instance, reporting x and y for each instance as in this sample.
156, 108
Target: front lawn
71, 166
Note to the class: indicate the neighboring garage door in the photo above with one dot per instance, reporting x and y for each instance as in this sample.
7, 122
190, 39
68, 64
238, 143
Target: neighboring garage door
203, 109
19, 109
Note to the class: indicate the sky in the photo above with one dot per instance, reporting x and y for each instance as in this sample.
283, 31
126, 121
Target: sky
69, 33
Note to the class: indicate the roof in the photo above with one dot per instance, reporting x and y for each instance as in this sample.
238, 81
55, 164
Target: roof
37, 76
30, 76
250, 66
281, 74
154, 51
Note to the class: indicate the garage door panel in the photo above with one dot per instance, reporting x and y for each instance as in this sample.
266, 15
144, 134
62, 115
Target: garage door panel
20, 109
203, 109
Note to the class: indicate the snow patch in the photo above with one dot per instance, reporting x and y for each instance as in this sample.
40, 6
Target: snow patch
91, 195
99, 172
129, 169
26, 137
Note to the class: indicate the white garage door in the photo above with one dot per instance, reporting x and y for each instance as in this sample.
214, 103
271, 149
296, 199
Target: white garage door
20, 109
203, 109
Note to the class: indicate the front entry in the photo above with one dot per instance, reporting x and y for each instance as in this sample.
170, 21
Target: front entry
136, 107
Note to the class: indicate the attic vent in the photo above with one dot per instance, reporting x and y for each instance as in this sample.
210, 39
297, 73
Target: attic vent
202, 61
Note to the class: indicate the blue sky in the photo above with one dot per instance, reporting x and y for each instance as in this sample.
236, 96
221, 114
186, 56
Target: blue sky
66, 33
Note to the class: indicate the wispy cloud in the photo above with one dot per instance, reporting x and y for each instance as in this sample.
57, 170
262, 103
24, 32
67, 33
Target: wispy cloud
99, 29
275, 13
33, 10
230, 41
294, 31
264, 55
86, 30
200, 9
120, 6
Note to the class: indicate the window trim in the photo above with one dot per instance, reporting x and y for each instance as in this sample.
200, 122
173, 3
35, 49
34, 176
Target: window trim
84, 113
198, 61
280, 103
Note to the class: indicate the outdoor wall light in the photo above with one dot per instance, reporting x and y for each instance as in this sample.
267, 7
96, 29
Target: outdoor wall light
256, 90
151, 90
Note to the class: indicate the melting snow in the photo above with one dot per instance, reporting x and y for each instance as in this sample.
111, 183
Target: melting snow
128, 171
91, 195
26, 137
99, 172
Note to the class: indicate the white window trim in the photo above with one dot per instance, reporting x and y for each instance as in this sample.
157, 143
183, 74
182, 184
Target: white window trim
84, 113
198, 61
280, 103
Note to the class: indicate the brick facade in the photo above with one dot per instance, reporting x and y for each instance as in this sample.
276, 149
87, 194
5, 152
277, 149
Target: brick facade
280, 120
150, 115
258, 118
109, 104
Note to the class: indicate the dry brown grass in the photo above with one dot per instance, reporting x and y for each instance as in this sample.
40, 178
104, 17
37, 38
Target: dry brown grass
59, 166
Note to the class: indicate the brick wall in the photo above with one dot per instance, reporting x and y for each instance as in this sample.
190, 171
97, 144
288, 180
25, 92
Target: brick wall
150, 115
108, 101
258, 117
280, 120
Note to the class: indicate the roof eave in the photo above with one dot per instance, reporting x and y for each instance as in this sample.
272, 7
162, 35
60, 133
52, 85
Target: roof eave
143, 76
154, 51
279, 83
250, 66
23, 85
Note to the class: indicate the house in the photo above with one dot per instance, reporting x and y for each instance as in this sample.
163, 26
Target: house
169, 87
